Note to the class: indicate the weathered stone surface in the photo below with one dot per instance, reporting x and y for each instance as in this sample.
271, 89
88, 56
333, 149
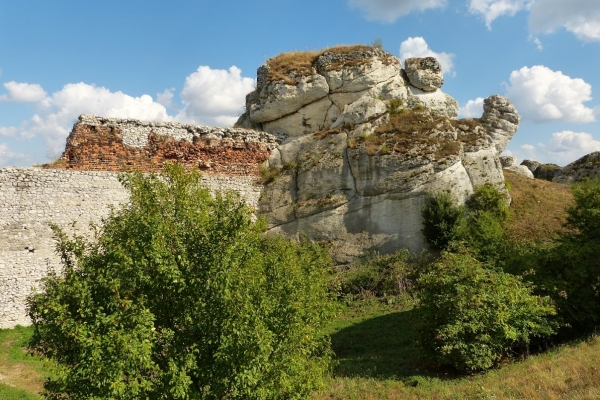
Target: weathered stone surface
547, 171
587, 166
531, 164
439, 101
31, 198
508, 161
310, 118
424, 73
278, 99
364, 110
501, 120
358, 70
111, 144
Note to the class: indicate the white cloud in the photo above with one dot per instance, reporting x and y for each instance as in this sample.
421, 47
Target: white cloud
542, 95
492, 9
23, 92
418, 47
56, 113
214, 96
473, 109
581, 17
538, 43
390, 10
564, 147
166, 98
9, 157
9, 131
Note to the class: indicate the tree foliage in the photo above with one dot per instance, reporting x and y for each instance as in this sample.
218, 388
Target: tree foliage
473, 316
180, 297
441, 219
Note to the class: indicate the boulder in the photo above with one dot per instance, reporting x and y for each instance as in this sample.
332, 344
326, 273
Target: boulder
424, 73
531, 164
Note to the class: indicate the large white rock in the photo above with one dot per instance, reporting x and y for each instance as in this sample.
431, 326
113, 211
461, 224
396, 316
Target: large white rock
501, 120
358, 70
278, 99
310, 118
363, 110
439, 101
424, 73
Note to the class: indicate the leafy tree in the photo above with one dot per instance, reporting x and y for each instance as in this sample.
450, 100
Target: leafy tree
441, 218
473, 316
180, 297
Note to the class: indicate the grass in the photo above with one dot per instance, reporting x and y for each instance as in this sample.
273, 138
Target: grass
378, 359
411, 132
537, 209
22, 375
301, 63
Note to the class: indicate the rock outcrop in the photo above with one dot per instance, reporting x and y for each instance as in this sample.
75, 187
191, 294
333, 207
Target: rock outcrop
587, 166
546, 172
510, 163
367, 140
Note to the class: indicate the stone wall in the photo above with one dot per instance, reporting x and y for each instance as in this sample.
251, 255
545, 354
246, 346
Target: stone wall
30, 198
110, 144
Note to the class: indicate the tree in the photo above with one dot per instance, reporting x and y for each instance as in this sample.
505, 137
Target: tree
472, 316
181, 297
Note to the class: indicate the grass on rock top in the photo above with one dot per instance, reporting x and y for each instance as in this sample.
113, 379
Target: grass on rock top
301, 63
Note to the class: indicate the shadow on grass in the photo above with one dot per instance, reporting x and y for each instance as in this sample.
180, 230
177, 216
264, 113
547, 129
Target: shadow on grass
383, 347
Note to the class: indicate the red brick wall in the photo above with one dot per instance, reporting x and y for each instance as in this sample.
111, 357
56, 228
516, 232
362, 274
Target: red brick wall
101, 148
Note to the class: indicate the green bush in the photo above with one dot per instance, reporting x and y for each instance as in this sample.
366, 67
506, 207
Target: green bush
180, 297
473, 316
441, 218
381, 275
487, 198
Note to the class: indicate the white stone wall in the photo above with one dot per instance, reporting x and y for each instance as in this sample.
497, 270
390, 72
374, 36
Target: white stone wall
31, 198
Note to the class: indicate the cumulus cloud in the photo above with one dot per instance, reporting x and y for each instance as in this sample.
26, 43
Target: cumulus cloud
23, 92
214, 96
390, 10
9, 131
581, 17
418, 47
492, 9
166, 98
473, 109
563, 148
9, 157
57, 112
541, 95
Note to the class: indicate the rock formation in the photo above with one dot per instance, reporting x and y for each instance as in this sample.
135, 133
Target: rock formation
367, 140
587, 166
542, 171
510, 163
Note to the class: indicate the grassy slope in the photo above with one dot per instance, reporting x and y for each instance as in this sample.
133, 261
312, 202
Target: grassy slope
537, 208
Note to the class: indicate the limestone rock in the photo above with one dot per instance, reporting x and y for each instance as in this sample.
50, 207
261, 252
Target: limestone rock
277, 99
531, 164
363, 110
357, 70
501, 120
439, 101
587, 166
424, 73
508, 161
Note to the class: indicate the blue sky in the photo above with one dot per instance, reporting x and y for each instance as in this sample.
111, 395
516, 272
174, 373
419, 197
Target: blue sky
195, 60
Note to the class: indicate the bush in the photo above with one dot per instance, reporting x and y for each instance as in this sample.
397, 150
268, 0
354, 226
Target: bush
381, 275
474, 316
180, 297
441, 218
487, 198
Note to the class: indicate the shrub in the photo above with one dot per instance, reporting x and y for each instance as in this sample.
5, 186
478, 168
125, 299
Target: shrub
487, 198
441, 218
381, 275
180, 297
474, 316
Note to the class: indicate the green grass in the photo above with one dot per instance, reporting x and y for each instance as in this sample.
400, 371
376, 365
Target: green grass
375, 345
22, 374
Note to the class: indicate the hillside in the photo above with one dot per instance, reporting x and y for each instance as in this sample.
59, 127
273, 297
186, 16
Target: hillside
537, 208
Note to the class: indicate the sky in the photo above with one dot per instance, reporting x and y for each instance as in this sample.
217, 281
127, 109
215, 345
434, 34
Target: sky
194, 61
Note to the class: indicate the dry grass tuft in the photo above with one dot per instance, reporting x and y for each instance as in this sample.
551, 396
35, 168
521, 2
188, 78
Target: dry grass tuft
301, 63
